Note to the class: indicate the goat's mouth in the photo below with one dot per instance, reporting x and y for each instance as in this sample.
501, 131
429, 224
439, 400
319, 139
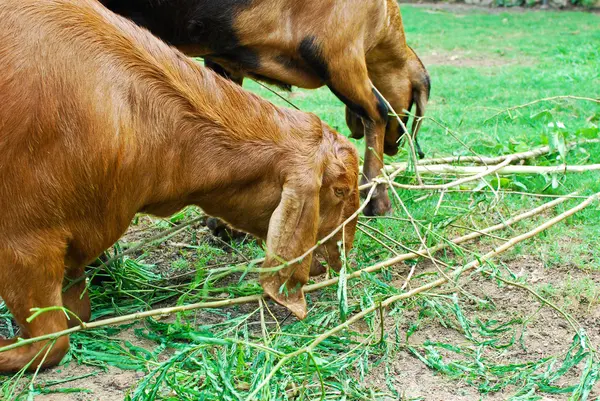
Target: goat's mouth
318, 265
325, 255
391, 149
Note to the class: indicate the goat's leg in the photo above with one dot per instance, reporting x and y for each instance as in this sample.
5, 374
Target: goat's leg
355, 123
220, 229
218, 226
28, 282
395, 87
238, 79
76, 297
350, 82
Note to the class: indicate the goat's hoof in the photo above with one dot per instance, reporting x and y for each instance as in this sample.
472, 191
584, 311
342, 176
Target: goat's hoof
219, 229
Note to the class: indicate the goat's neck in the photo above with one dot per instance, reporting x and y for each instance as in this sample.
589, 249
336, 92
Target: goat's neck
208, 155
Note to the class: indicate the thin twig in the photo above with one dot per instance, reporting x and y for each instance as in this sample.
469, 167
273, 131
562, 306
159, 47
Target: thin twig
380, 242
516, 157
551, 196
481, 171
546, 99
276, 94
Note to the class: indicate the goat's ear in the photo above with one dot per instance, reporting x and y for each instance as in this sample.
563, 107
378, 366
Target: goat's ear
292, 231
421, 84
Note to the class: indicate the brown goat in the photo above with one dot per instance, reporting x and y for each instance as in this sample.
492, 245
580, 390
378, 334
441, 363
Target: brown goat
348, 45
100, 120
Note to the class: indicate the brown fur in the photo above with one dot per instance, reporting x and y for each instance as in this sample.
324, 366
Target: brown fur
100, 120
360, 43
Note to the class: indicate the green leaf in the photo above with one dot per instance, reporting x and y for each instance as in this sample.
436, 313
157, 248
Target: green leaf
588, 133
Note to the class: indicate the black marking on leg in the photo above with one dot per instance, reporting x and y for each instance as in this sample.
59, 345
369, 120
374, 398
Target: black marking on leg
312, 53
427, 83
355, 108
425, 79
381, 106
419, 150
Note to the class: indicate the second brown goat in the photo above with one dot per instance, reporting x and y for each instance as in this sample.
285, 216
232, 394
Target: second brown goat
351, 46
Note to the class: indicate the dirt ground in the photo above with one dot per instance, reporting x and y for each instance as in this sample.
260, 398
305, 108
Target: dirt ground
547, 334
467, 59
462, 8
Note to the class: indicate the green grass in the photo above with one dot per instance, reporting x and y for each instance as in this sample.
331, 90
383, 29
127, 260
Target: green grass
507, 59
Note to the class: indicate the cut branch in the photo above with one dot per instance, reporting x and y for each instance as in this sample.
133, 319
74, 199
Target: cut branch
516, 157
486, 170
483, 172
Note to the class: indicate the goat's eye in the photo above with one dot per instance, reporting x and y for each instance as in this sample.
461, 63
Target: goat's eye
339, 192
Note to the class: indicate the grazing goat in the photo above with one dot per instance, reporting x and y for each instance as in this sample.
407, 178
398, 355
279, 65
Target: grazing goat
100, 120
348, 45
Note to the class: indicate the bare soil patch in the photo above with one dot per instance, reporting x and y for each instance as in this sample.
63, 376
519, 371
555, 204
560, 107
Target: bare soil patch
545, 334
462, 8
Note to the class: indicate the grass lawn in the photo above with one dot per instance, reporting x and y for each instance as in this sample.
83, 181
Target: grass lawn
522, 328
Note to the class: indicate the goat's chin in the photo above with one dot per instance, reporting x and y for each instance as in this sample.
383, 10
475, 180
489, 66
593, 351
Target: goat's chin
317, 268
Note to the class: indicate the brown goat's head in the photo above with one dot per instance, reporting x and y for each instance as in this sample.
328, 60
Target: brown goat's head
411, 85
339, 200
307, 215
415, 90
